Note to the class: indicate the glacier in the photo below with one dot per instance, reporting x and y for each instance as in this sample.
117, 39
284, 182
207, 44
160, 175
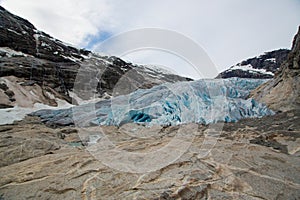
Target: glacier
203, 101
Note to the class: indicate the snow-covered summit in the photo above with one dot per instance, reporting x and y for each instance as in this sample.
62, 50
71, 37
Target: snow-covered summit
263, 66
250, 69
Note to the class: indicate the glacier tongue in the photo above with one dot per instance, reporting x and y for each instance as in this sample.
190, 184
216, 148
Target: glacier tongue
202, 101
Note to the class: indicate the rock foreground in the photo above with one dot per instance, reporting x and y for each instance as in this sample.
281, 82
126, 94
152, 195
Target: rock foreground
252, 159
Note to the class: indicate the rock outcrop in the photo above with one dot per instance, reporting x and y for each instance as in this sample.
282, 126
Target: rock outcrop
17, 91
263, 66
20, 35
252, 159
283, 92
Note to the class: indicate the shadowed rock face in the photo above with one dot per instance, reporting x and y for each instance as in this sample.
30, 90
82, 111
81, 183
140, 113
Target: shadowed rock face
265, 66
282, 92
35, 56
20, 35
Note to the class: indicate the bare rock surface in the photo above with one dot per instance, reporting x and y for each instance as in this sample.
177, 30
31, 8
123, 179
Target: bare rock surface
17, 92
252, 159
282, 92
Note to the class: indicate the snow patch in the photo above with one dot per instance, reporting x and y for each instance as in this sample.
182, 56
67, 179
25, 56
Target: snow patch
45, 45
11, 53
271, 60
14, 31
71, 58
249, 68
27, 100
156, 69
37, 41
17, 113
86, 57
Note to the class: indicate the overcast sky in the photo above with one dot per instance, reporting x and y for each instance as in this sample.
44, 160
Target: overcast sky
228, 30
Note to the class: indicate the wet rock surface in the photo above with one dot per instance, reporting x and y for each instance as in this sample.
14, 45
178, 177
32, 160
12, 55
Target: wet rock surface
245, 162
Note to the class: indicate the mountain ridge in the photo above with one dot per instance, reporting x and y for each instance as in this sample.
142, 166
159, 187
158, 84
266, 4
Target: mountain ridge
263, 66
38, 59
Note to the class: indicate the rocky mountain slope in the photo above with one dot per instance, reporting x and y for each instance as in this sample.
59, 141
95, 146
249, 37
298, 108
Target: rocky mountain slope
283, 92
36, 59
263, 66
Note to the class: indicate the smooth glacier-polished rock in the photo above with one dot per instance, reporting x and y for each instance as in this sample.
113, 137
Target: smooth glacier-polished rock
252, 159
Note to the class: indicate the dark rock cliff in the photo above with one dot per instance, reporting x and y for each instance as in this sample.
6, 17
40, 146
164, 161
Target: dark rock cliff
40, 59
20, 35
263, 66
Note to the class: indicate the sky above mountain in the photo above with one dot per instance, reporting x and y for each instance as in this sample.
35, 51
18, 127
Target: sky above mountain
228, 31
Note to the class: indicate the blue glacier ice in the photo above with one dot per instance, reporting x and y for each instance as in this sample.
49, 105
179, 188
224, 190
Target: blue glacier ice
202, 101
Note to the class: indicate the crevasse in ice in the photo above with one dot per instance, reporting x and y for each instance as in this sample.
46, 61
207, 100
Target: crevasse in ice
201, 101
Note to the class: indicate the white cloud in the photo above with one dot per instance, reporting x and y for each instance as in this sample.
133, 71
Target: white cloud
229, 30
165, 60
69, 20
